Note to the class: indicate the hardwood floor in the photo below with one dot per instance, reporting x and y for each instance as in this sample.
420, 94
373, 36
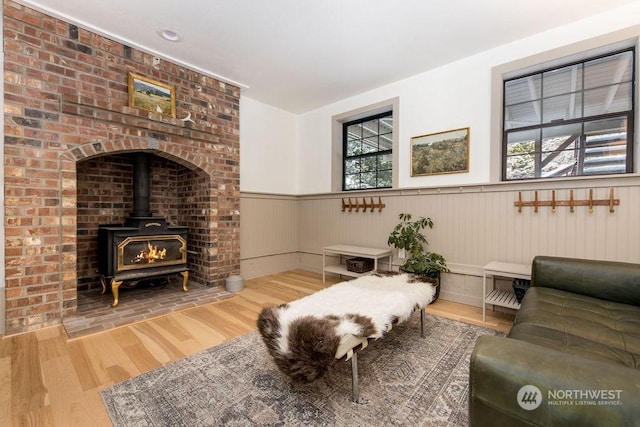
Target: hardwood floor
48, 380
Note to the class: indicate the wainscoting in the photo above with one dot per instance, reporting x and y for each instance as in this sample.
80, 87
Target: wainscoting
472, 226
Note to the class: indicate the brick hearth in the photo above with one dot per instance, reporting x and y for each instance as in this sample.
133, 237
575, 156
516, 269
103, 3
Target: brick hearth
69, 133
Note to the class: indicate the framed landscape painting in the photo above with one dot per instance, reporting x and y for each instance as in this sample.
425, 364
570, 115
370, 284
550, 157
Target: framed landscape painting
151, 95
442, 152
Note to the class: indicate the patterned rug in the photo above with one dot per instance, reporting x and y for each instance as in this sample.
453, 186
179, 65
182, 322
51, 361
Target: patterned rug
405, 380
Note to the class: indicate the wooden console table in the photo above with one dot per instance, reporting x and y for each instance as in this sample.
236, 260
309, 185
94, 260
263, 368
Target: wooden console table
502, 298
352, 251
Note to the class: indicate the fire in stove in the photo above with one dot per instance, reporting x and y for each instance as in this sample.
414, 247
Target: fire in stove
151, 255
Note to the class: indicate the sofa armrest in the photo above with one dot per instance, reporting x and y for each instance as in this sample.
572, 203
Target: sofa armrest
608, 280
575, 391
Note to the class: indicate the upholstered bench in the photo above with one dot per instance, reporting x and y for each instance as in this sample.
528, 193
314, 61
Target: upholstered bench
307, 336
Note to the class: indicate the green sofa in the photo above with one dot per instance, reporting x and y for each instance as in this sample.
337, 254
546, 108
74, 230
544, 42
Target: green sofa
572, 357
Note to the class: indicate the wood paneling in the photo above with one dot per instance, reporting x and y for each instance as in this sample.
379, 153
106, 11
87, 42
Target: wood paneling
472, 225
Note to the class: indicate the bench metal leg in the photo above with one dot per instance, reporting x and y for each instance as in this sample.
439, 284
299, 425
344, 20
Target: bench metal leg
355, 391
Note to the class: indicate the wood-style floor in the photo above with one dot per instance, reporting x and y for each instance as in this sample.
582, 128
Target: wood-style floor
48, 380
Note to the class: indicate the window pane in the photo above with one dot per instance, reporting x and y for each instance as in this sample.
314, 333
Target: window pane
386, 126
368, 164
354, 132
370, 145
564, 107
385, 162
611, 99
522, 142
385, 178
605, 146
354, 148
368, 180
370, 128
352, 182
559, 150
522, 115
562, 81
352, 166
522, 90
521, 166
609, 70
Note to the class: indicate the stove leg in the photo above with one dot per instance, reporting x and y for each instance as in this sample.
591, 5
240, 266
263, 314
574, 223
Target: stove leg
185, 278
104, 286
115, 284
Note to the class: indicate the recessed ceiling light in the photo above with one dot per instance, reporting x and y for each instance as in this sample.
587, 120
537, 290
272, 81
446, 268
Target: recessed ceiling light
171, 35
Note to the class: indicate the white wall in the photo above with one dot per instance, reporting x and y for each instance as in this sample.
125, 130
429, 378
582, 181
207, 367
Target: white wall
268, 149
453, 96
283, 153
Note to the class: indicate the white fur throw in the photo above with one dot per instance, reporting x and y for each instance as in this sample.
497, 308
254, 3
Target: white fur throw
303, 336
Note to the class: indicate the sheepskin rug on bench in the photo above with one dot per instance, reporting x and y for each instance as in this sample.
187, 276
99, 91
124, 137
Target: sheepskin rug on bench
303, 336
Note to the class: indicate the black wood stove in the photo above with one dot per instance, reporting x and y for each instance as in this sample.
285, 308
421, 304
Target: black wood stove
144, 246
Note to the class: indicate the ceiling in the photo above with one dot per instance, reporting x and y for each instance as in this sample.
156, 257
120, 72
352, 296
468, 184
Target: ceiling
300, 55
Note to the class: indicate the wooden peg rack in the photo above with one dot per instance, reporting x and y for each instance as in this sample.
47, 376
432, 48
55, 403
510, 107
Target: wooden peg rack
572, 202
364, 204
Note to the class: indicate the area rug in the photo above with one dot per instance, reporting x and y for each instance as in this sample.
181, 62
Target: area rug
404, 380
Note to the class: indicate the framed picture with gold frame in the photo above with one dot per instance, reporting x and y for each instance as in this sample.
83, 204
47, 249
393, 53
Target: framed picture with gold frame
151, 95
441, 152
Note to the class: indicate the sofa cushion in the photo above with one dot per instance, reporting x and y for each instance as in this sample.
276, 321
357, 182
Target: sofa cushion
580, 325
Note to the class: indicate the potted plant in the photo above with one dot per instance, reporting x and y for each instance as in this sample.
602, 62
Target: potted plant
407, 236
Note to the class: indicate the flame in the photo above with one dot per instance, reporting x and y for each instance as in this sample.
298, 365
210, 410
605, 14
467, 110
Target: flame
152, 255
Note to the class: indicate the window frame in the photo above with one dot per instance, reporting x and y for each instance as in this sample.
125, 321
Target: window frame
346, 157
629, 115
530, 62
337, 146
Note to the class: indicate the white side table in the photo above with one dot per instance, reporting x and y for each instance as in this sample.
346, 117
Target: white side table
354, 251
498, 297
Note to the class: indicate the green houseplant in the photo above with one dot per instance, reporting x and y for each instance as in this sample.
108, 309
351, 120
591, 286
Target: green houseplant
408, 235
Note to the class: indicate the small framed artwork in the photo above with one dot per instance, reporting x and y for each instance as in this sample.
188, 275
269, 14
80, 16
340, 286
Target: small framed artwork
442, 152
151, 95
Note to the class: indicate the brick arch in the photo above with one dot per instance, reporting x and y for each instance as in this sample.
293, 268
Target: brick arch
203, 247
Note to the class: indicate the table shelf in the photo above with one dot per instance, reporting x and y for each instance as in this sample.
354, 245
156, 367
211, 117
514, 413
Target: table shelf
502, 298
352, 251
497, 297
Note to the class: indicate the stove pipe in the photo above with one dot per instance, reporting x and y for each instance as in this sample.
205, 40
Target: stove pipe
141, 185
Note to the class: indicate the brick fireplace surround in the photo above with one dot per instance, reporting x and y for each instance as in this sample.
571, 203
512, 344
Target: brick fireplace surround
68, 138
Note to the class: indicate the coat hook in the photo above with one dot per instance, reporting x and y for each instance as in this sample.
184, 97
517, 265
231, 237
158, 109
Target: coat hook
535, 201
553, 201
611, 201
591, 200
372, 204
344, 205
519, 201
571, 201
380, 205
350, 205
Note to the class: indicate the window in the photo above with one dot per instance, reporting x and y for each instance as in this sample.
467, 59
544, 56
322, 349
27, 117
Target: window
367, 154
572, 120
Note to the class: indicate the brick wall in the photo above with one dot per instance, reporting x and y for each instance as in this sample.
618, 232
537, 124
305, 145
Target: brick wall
68, 135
